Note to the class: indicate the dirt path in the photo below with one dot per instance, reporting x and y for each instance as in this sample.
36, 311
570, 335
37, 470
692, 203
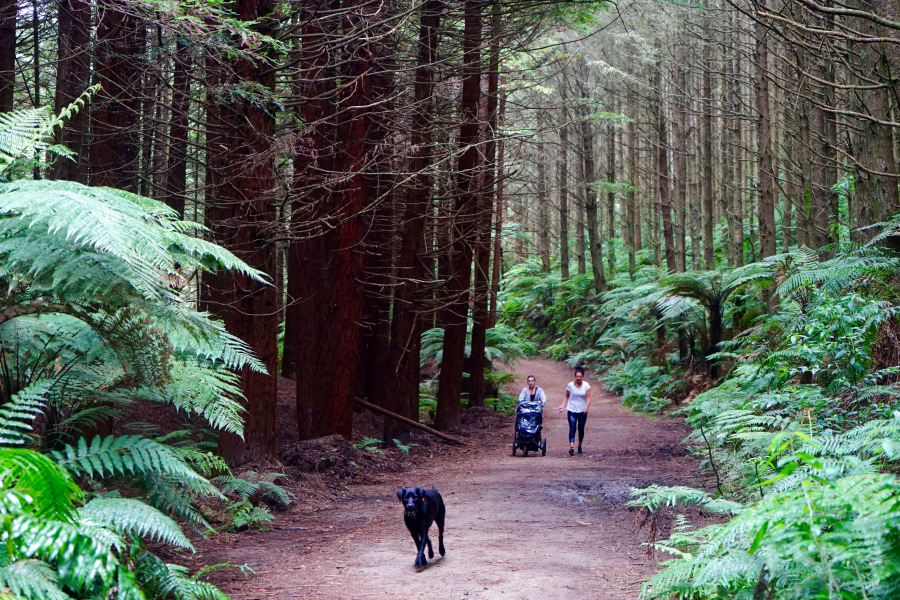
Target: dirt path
536, 527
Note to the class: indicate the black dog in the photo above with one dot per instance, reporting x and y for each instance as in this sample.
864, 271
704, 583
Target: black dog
421, 508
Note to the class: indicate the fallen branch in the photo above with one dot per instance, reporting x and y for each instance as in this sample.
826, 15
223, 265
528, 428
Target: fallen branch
410, 422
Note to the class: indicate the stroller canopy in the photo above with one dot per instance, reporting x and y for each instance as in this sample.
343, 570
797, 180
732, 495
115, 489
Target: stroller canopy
529, 417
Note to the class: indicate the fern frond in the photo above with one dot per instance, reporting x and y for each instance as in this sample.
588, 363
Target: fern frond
133, 517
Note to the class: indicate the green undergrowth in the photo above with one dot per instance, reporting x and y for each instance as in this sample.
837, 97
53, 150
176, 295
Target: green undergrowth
793, 412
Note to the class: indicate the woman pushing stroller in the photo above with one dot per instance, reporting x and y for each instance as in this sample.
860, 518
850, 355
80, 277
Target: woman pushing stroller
532, 393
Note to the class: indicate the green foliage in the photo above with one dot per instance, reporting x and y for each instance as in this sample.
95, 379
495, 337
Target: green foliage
95, 315
253, 493
502, 344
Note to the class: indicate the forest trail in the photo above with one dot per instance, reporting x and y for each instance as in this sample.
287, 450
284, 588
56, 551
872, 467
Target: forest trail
551, 527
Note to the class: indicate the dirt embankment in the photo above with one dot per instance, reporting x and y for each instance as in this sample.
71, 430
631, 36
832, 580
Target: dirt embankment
536, 527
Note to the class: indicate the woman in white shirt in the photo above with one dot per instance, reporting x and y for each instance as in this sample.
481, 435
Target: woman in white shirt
578, 400
532, 393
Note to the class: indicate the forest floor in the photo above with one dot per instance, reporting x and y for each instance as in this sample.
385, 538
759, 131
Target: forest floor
517, 527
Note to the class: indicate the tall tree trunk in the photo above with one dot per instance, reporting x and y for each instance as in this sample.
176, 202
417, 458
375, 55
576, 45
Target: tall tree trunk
406, 327
562, 169
462, 226
501, 211
662, 172
737, 204
706, 135
480, 313
590, 191
176, 176
309, 251
72, 79
679, 162
240, 212
766, 182
115, 144
378, 250
611, 196
8, 10
543, 200
631, 197
876, 196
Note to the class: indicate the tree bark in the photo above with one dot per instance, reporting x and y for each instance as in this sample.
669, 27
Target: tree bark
406, 326
589, 190
736, 143
876, 196
706, 134
72, 79
543, 200
766, 182
462, 226
176, 177
240, 212
8, 9
562, 169
662, 173
501, 214
309, 251
611, 195
480, 312
115, 143
631, 197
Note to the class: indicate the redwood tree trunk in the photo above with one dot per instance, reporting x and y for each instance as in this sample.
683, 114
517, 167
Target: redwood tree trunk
480, 313
543, 200
766, 201
115, 135
8, 10
406, 328
462, 226
240, 212
72, 78
590, 192
662, 171
309, 252
562, 169
706, 134
501, 215
176, 177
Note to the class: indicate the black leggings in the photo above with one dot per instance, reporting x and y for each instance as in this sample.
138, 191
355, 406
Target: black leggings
578, 419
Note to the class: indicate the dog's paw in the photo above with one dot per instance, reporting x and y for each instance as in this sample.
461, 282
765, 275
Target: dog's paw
441, 550
421, 563
430, 553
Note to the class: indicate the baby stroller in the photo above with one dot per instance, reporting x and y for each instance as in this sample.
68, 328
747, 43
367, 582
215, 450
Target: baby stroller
529, 420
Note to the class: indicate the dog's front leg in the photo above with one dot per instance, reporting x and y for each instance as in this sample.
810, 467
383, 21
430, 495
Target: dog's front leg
420, 557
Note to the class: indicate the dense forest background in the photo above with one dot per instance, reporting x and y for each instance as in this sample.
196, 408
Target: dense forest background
696, 199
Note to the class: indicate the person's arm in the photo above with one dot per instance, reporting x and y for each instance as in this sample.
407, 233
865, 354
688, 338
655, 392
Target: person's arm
543, 397
565, 401
587, 396
522, 395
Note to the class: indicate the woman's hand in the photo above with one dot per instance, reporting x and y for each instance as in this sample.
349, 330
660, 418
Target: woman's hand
561, 408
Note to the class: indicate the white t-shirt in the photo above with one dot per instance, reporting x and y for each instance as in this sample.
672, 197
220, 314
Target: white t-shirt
577, 397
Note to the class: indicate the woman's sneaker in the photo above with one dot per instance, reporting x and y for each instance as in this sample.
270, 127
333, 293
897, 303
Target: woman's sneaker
579, 450
571, 451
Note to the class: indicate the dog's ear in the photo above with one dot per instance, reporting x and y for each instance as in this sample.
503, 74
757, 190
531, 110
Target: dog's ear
400, 495
420, 492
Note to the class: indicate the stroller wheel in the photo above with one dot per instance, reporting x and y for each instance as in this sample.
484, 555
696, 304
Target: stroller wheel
544, 448
525, 452
515, 442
